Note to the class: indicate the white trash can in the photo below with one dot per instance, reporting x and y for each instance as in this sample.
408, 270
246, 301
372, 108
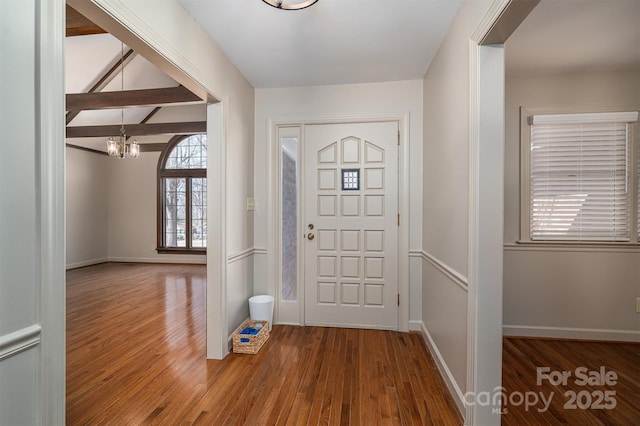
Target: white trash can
261, 308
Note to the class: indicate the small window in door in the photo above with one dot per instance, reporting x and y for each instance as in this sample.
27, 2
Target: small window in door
350, 179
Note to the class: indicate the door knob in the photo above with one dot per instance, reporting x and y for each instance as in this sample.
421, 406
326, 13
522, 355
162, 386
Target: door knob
310, 236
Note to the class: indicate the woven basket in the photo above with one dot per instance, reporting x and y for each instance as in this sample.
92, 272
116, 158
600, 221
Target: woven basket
248, 343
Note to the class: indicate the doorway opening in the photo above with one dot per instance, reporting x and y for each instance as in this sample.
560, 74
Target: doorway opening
211, 122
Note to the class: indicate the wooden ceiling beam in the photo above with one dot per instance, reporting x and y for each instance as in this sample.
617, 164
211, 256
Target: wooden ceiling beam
181, 128
79, 25
144, 147
129, 98
84, 148
152, 147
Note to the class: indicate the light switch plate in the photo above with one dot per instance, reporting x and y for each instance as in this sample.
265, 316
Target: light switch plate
638, 305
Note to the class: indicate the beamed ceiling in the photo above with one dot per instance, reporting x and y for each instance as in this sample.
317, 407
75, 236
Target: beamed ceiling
153, 105
339, 42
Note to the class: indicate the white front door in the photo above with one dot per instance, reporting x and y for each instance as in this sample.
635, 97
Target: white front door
351, 226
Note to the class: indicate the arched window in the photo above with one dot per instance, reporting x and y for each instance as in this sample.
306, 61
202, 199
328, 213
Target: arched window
182, 195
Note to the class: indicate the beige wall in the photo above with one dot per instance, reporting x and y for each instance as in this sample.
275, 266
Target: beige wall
87, 213
111, 210
445, 218
132, 186
566, 292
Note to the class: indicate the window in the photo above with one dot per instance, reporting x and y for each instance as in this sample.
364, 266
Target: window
182, 201
289, 216
582, 171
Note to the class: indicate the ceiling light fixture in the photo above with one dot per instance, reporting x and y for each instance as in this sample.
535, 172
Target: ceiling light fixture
121, 148
290, 4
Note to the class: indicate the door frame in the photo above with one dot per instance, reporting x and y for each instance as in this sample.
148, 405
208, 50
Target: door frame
486, 202
273, 205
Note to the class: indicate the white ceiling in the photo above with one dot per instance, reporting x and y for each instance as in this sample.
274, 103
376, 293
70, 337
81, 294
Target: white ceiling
331, 42
359, 41
561, 36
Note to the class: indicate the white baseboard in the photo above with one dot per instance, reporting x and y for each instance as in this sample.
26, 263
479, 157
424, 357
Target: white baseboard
87, 263
200, 260
181, 260
446, 374
415, 326
572, 333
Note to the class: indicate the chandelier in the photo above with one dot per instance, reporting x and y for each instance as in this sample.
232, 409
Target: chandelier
120, 148
290, 4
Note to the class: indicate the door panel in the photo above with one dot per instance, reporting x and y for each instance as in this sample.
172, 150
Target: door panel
351, 230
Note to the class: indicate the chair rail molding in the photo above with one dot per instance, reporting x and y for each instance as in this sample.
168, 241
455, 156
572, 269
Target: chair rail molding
455, 276
19, 341
243, 254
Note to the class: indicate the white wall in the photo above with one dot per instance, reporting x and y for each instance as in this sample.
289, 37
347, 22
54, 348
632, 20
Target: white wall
581, 293
18, 220
32, 288
87, 212
330, 102
445, 219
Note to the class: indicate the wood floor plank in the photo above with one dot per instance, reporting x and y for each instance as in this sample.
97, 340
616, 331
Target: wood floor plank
136, 350
320, 389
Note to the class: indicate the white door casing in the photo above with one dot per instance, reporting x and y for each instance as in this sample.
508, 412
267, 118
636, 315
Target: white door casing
351, 252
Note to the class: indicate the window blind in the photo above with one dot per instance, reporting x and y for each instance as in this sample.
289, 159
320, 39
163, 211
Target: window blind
579, 187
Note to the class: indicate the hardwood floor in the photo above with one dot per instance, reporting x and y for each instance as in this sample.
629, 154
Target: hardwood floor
573, 402
136, 355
